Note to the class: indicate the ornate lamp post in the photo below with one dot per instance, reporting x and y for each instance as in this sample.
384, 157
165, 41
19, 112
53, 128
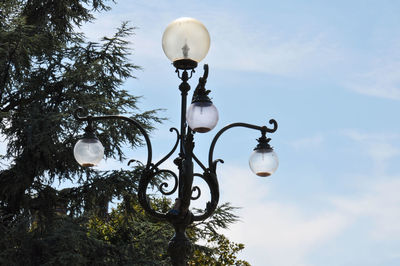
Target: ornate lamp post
185, 42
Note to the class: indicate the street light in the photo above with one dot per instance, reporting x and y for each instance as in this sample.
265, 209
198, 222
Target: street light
88, 151
263, 161
185, 42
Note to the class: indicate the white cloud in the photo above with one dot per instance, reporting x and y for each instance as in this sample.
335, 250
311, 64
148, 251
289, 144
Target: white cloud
379, 203
287, 56
381, 77
308, 142
379, 146
271, 230
370, 136
236, 42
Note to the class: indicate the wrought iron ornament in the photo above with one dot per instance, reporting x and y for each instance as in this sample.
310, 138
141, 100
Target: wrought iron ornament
180, 248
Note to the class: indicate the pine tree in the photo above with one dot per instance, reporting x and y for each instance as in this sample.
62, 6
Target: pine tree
47, 70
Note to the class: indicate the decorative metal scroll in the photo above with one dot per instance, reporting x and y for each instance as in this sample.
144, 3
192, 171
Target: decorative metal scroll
152, 170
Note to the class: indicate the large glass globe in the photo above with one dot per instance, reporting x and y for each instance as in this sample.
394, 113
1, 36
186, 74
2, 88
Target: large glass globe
263, 162
186, 38
202, 116
88, 152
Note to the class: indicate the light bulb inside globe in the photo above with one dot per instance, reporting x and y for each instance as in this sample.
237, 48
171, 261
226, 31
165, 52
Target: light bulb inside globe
263, 162
202, 116
88, 152
186, 42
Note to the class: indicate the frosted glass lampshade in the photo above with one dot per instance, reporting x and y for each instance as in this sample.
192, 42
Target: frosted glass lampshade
202, 116
186, 39
88, 152
263, 162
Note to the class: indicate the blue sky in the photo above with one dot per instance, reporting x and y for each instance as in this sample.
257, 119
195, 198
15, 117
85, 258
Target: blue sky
329, 73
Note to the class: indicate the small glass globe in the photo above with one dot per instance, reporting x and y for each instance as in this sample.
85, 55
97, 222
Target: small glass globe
263, 162
88, 152
202, 116
186, 38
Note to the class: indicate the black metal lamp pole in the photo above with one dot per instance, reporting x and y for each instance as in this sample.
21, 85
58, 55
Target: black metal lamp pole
180, 248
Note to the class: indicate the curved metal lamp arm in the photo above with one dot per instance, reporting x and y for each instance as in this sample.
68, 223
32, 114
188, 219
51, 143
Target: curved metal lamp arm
150, 170
90, 118
210, 176
263, 129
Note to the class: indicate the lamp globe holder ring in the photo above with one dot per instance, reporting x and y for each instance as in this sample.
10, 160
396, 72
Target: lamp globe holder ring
185, 64
263, 143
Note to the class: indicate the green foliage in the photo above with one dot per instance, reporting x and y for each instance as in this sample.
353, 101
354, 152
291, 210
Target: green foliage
219, 251
142, 241
64, 243
47, 70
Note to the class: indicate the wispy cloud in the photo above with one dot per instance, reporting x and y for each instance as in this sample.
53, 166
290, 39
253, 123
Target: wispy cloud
380, 203
236, 43
236, 46
382, 81
271, 230
308, 142
379, 73
380, 147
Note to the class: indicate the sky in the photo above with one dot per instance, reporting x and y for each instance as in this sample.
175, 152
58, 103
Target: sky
329, 73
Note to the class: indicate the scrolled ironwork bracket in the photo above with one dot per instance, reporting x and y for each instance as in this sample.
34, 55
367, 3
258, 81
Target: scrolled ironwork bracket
150, 170
210, 175
262, 129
